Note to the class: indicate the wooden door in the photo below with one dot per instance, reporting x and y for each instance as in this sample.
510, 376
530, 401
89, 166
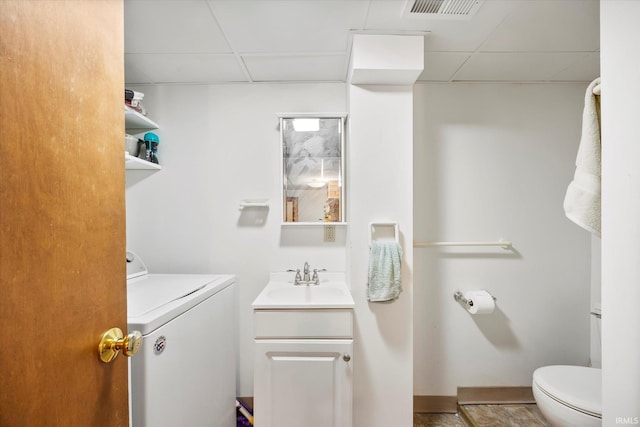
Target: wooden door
62, 212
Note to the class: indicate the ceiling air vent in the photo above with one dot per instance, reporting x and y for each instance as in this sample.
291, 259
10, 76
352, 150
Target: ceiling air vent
442, 8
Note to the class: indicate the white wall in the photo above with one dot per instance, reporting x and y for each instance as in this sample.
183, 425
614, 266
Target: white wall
493, 161
218, 145
620, 59
490, 161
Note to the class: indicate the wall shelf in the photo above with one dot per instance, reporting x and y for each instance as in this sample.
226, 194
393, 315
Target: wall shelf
134, 163
134, 123
313, 224
137, 122
254, 203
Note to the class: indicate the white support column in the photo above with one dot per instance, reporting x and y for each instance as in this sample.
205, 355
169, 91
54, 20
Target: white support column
380, 188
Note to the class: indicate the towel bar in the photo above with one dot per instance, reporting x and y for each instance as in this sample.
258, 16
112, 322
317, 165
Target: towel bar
504, 244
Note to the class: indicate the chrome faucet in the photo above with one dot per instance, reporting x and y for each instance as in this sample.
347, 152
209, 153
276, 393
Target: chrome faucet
306, 276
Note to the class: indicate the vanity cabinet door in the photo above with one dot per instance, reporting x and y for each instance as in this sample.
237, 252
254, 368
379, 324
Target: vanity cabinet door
303, 382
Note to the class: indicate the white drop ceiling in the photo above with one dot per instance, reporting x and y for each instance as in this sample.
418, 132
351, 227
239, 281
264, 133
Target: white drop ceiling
222, 41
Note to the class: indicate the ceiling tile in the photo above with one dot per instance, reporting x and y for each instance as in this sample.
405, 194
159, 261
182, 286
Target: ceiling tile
446, 34
171, 26
134, 72
297, 68
514, 66
286, 26
441, 66
548, 26
306, 40
584, 69
188, 68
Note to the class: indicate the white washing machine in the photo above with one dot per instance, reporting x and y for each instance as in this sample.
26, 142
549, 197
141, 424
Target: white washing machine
185, 371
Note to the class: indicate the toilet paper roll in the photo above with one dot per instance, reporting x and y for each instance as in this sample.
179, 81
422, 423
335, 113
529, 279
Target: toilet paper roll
480, 302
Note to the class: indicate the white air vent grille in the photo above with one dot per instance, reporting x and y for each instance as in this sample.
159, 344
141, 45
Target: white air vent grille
442, 8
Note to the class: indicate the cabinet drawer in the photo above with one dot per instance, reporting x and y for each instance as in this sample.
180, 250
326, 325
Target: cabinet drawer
303, 323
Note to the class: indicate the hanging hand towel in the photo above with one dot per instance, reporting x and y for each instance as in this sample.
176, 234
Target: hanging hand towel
582, 201
384, 271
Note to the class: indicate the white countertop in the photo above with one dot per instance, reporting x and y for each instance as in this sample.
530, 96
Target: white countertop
281, 293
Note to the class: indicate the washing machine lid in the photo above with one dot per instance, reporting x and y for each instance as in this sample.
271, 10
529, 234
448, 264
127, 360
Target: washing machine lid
155, 299
578, 387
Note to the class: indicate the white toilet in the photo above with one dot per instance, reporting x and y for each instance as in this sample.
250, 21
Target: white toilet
570, 395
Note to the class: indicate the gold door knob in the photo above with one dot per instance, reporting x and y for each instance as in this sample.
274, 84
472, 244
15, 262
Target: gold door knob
114, 340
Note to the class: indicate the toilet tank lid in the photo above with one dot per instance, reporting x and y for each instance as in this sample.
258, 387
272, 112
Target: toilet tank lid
575, 386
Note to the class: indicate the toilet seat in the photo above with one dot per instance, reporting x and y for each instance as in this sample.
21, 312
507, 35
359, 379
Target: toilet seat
577, 387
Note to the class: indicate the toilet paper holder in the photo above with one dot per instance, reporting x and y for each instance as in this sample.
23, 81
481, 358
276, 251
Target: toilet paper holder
459, 296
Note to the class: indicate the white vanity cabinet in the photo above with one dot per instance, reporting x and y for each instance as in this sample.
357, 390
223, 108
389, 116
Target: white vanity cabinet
303, 371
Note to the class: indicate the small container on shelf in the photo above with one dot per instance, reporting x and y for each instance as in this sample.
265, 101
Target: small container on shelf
131, 145
151, 141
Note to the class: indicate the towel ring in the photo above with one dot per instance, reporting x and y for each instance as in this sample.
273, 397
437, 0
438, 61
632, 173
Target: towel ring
394, 224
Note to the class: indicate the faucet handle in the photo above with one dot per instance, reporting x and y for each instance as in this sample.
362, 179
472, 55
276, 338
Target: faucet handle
315, 273
298, 276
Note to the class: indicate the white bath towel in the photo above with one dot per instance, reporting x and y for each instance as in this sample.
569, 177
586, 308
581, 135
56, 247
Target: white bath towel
384, 281
582, 201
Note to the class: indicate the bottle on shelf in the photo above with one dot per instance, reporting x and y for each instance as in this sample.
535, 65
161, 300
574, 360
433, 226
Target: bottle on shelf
151, 142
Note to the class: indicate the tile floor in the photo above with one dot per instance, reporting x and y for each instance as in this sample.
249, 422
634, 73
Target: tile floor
438, 420
518, 415
521, 415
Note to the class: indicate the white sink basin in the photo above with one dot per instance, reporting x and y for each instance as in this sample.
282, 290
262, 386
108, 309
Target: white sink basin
332, 292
